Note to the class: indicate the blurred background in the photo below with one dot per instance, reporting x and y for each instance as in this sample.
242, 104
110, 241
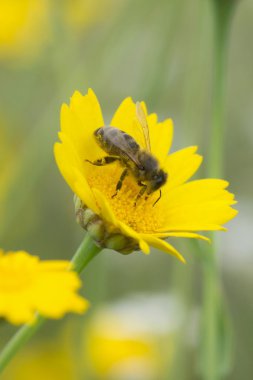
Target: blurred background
144, 320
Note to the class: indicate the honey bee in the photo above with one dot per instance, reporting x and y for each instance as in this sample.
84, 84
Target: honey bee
138, 162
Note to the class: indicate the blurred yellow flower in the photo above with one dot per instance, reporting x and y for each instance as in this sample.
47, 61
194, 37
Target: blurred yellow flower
28, 285
23, 26
115, 343
48, 359
120, 344
81, 14
185, 207
116, 353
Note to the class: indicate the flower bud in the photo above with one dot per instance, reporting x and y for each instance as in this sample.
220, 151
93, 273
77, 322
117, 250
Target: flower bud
101, 231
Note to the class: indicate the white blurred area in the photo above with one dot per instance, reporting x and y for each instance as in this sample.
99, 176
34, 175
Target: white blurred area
238, 241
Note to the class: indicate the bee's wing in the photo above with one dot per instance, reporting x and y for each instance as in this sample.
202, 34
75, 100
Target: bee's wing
127, 147
141, 117
134, 159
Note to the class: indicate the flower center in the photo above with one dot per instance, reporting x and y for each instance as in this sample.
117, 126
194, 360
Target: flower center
139, 214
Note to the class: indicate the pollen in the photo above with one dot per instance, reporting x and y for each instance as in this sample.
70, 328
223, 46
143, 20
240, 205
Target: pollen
139, 215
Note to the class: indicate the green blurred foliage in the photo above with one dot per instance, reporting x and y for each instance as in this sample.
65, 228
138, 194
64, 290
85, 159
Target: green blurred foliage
159, 51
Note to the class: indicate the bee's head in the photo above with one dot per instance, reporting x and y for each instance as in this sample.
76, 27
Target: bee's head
157, 180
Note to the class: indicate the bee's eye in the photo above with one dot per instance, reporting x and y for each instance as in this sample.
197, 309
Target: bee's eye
141, 168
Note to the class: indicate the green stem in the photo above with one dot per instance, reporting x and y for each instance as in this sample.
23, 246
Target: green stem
18, 341
212, 299
222, 11
210, 348
84, 254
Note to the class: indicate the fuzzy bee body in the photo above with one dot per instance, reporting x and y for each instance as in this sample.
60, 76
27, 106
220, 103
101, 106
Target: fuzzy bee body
138, 162
117, 143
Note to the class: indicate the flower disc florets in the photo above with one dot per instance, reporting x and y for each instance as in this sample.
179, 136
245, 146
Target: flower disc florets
184, 207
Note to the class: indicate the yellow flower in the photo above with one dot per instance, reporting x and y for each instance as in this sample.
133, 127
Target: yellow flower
120, 354
23, 26
184, 208
118, 343
28, 285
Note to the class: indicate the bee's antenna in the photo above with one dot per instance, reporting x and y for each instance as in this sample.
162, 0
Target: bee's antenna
160, 195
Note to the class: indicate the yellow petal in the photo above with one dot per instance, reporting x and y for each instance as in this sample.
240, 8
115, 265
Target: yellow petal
162, 245
198, 205
181, 166
16, 310
161, 135
189, 235
54, 293
84, 192
54, 265
63, 164
125, 120
87, 109
79, 121
128, 231
69, 151
74, 177
105, 211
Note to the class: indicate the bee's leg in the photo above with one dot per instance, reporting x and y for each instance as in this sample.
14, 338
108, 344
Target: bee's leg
141, 192
160, 195
104, 161
120, 182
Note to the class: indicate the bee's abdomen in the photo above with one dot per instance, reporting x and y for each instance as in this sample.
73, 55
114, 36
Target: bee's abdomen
131, 142
114, 141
